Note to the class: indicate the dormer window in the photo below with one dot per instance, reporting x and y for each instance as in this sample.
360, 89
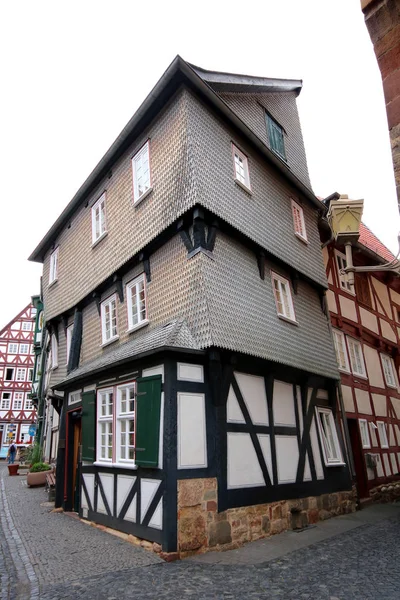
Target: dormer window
53, 275
275, 135
298, 221
99, 218
241, 168
141, 173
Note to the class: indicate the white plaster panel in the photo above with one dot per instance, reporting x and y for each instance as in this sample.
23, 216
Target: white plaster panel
373, 365
379, 466
380, 405
370, 473
107, 480
393, 463
348, 399
325, 256
387, 465
243, 467
322, 394
88, 478
382, 293
192, 442
158, 370
130, 514
392, 441
233, 411
283, 404
396, 405
255, 397
394, 296
387, 331
156, 519
397, 430
101, 507
124, 486
265, 444
307, 470
332, 305
348, 308
369, 320
148, 489
373, 436
189, 372
309, 395
287, 457
363, 402
315, 450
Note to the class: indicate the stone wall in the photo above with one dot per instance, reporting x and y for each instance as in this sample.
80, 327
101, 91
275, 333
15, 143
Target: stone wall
202, 528
388, 492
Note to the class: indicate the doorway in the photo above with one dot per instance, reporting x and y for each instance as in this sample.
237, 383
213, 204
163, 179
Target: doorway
358, 456
74, 459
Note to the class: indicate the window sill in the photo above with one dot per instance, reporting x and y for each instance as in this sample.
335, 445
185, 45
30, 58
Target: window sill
360, 376
335, 464
103, 235
108, 342
142, 197
301, 238
392, 386
243, 186
292, 321
138, 326
119, 465
52, 283
53, 368
344, 371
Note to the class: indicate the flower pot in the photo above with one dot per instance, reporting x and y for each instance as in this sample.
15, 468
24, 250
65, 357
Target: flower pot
37, 478
13, 469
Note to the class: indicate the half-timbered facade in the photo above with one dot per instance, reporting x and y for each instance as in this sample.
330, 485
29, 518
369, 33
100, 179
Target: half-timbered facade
17, 413
189, 350
366, 330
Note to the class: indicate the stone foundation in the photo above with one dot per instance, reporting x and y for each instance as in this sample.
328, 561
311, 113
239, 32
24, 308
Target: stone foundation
202, 528
387, 492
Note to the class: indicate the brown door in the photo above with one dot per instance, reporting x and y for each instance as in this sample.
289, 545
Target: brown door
358, 455
77, 424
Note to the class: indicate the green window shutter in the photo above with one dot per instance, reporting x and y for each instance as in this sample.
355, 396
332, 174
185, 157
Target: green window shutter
147, 414
89, 426
275, 134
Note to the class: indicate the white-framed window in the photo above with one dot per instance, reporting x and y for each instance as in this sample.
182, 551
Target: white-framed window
9, 374
109, 319
18, 400
388, 369
364, 431
125, 422
298, 221
283, 297
75, 397
53, 266
30, 374
341, 263
329, 438
241, 167
5, 400
341, 352
28, 404
136, 302
24, 348
141, 172
70, 329
356, 357
382, 434
54, 352
105, 402
26, 326
12, 348
21, 375
99, 218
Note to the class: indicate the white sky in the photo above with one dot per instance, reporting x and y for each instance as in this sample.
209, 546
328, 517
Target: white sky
73, 73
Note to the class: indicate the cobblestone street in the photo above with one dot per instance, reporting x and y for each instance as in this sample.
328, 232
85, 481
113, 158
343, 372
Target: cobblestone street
53, 556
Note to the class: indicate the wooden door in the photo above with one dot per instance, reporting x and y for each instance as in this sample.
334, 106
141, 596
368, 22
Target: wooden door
358, 455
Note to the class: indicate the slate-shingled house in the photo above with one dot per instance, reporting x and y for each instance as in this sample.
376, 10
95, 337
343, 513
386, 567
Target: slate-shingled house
184, 292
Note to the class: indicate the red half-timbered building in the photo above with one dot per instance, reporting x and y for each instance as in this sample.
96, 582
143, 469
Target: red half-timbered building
366, 330
16, 372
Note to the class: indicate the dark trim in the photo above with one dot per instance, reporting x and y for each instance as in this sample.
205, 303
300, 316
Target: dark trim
85, 491
99, 488
306, 439
117, 279
153, 505
128, 500
147, 533
76, 342
170, 501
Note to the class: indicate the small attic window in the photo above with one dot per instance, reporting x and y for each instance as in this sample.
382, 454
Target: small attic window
275, 135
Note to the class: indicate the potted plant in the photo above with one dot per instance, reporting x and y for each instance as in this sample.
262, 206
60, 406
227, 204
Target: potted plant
13, 469
37, 474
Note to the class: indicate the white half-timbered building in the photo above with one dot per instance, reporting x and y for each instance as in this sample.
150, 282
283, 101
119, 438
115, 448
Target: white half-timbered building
17, 413
189, 349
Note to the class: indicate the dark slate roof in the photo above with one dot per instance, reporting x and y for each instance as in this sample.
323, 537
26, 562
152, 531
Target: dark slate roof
173, 335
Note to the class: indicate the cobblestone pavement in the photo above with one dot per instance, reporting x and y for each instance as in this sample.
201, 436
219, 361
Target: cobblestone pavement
50, 556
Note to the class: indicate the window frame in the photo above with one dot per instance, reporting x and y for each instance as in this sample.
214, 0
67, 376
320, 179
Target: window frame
3, 405
343, 279
302, 235
243, 157
54, 351
21, 370
364, 429
28, 400
349, 341
26, 326
282, 280
53, 271
273, 126
126, 417
12, 376
362, 289
108, 301
338, 460
21, 346
391, 369
100, 419
129, 287
102, 221
145, 148
20, 400
346, 368
75, 397
9, 350
383, 443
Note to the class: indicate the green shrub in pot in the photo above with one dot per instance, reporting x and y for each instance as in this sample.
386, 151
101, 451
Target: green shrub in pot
39, 466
